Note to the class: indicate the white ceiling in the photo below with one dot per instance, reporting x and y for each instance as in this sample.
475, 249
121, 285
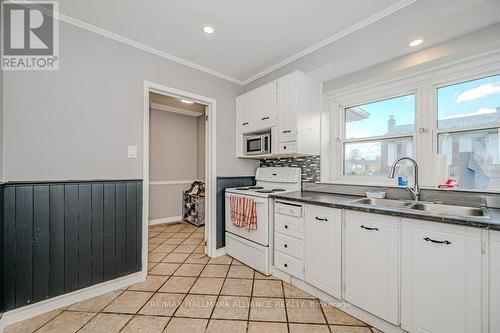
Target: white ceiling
255, 37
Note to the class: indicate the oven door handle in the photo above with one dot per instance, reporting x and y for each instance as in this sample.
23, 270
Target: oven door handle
228, 196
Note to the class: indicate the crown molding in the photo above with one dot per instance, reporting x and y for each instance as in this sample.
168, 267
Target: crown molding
344, 33
349, 30
143, 47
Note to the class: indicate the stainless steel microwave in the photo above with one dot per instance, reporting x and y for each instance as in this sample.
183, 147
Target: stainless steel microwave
257, 144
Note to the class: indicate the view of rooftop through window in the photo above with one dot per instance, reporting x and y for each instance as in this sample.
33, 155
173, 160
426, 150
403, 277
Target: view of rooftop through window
389, 116
382, 120
473, 154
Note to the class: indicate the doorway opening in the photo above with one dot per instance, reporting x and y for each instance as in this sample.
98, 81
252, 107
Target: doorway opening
178, 173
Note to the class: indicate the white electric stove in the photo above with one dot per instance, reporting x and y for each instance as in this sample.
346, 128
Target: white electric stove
254, 247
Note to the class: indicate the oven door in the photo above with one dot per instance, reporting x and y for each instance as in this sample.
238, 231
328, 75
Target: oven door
261, 234
254, 145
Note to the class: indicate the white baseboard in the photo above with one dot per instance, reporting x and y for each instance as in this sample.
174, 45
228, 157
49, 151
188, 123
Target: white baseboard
166, 220
29, 311
343, 305
220, 252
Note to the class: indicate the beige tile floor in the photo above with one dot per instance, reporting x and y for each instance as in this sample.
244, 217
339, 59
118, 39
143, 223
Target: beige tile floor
188, 292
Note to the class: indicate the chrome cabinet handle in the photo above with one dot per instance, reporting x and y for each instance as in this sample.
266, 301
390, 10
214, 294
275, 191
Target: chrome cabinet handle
244, 124
368, 228
265, 118
286, 265
321, 219
286, 246
427, 239
286, 227
287, 131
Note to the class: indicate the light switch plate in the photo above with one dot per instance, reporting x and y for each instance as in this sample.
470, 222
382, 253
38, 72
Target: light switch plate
132, 152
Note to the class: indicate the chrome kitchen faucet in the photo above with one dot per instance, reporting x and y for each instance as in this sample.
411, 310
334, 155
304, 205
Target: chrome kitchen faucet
416, 188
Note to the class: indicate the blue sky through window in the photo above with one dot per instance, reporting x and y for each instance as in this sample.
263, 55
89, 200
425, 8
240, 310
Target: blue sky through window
476, 98
375, 120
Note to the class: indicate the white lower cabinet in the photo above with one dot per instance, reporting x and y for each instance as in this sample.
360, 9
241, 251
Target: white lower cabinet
323, 248
372, 263
494, 281
427, 277
440, 278
288, 238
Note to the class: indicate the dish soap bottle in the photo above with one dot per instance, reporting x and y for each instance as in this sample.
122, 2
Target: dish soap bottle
402, 181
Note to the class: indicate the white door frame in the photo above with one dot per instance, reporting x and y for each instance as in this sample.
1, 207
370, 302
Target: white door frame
210, 165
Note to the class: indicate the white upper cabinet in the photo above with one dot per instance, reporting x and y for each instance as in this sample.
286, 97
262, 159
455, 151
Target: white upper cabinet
494, 281
265, 106
440, 278
290, 108
287, 108
245, 115
372, 263
323, 249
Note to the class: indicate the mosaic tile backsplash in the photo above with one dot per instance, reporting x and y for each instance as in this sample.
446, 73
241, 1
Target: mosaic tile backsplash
310, 166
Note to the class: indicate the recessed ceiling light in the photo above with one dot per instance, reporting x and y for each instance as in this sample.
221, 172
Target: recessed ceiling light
208, 29
416, 42
186, 101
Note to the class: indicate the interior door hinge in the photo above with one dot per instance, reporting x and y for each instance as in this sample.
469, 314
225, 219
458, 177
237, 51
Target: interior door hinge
483, 247
205, 243
206, 117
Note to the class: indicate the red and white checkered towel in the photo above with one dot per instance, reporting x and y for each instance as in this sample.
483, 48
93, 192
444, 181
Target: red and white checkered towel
243, 212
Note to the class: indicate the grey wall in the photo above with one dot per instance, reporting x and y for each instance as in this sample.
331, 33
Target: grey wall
173, 146
200, 147
76, 123
165, 201
173, 152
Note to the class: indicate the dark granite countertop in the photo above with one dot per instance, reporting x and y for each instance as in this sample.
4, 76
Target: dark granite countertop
345, 201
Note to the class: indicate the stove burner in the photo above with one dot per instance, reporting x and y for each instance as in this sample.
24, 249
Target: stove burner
265, 191
242, 188
278, 189
255, 187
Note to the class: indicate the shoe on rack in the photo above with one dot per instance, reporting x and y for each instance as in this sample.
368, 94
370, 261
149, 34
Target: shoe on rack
190, 190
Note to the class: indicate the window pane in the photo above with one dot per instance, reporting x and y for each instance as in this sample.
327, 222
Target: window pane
470, 103
473, 157
386, 117
375, 158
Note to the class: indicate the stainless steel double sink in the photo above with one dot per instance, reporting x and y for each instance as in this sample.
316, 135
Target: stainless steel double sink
427, 207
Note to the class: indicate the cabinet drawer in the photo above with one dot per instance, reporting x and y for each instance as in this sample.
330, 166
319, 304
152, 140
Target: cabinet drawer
288, 264
287, 135
288, 209
288, 225
287, 147
292, 246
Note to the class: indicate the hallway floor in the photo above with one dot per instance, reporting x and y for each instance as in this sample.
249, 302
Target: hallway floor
188, 292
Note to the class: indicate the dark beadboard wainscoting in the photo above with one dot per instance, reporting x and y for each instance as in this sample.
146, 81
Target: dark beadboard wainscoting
222, 184
62, 236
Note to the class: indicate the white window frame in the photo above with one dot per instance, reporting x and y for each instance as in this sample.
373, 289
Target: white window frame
424, 84
341, 140
453, 130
